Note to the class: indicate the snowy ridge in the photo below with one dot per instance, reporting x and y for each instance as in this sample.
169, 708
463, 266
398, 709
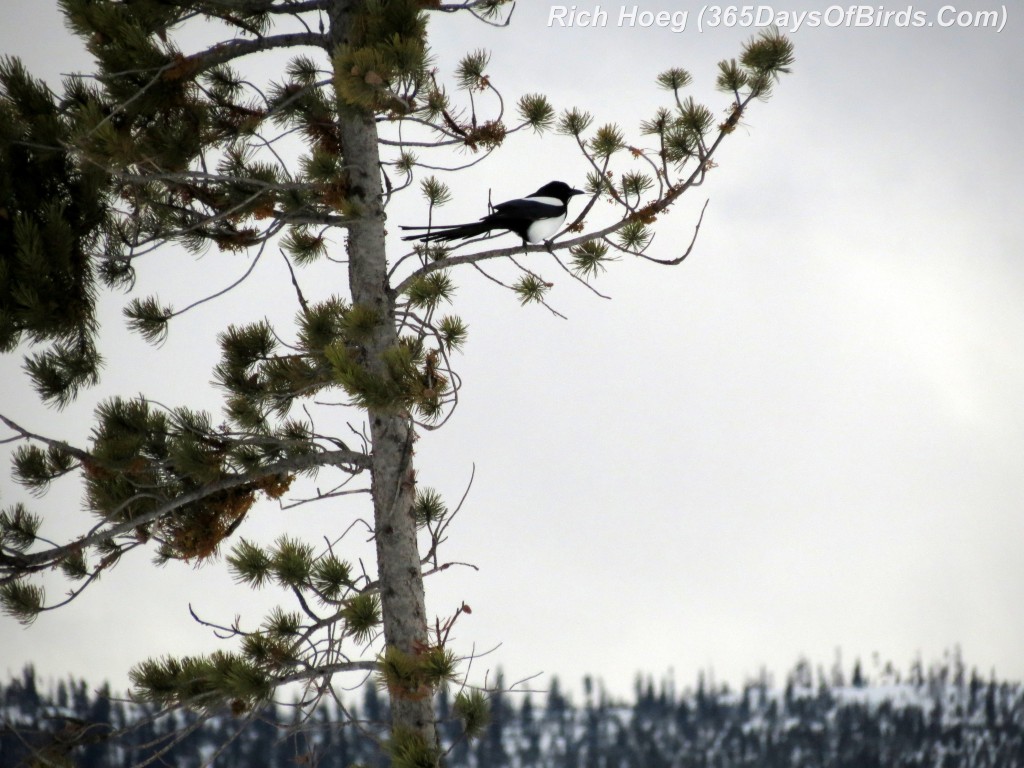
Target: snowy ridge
942, 719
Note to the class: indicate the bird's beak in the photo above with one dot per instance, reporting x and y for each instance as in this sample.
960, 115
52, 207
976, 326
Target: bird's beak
576, 192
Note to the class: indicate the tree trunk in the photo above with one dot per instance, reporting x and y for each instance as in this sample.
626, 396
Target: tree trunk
393, 477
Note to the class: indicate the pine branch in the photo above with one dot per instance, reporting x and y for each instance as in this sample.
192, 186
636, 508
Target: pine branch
482, 10
665, 200
14, 567
289, 7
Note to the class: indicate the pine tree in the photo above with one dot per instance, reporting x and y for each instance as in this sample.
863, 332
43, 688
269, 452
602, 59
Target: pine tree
857, 676
173, 144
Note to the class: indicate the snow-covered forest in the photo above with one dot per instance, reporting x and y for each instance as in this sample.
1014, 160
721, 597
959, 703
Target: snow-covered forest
939, 715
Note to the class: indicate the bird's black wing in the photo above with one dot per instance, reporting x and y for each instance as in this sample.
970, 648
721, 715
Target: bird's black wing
528, 208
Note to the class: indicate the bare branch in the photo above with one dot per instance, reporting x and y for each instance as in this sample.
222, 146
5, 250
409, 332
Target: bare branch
235, 49
78, 453
693, 240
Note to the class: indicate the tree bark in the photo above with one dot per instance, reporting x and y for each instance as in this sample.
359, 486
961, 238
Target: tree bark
393, 477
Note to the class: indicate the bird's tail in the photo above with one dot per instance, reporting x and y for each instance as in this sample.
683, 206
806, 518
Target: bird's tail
449, 232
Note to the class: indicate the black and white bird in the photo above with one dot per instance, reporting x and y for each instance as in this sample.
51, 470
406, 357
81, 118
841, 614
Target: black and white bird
535, 218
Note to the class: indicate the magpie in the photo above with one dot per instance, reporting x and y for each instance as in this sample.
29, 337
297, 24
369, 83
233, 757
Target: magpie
535, 218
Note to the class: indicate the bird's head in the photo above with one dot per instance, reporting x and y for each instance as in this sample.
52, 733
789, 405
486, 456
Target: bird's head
558, 190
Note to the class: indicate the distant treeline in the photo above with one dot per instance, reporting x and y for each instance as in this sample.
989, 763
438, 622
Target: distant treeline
942, 717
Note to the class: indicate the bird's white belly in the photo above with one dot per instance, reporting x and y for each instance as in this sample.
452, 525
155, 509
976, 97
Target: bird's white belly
544, 229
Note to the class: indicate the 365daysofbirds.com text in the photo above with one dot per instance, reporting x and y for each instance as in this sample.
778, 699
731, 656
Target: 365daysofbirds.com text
761, 16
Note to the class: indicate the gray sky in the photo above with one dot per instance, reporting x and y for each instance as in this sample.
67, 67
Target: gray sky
809, 436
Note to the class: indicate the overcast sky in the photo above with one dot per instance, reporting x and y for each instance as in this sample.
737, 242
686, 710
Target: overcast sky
808, 437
